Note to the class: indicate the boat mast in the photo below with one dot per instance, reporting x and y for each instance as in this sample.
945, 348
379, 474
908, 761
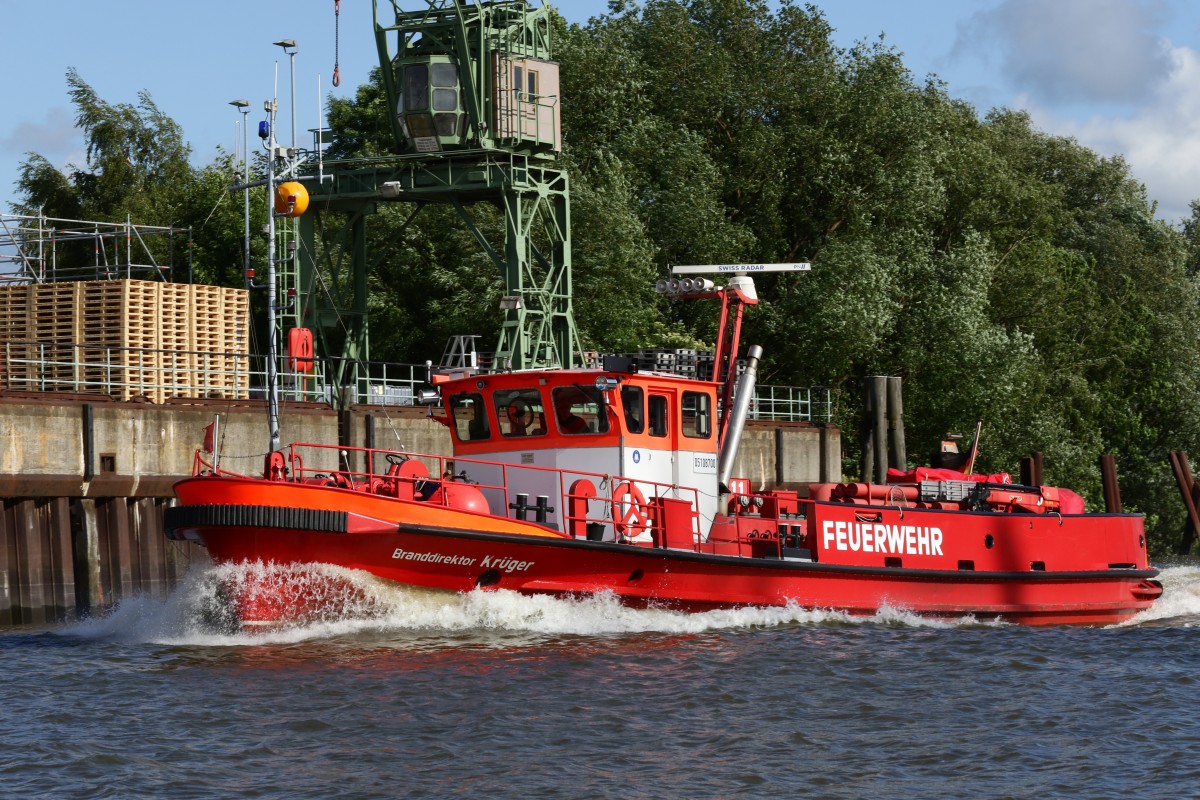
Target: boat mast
272, 371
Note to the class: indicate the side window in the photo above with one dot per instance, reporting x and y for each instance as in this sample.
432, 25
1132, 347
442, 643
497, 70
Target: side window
520, 412
658, 415
580, 409
444, 78
634, 404
469, 416
416, 87
697, 415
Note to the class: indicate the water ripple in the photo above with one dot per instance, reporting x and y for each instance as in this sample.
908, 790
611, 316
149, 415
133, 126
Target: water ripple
430, 695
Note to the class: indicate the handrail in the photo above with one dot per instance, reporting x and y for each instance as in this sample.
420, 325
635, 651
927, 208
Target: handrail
128, 373
442, 469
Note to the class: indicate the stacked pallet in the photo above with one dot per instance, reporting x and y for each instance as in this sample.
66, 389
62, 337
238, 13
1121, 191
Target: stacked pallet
174, 341
218, 343
696, 364
681, 361
123, 344
127, 339
16, 354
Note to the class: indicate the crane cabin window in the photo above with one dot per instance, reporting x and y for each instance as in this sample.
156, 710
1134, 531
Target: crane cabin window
416, 88
444, 79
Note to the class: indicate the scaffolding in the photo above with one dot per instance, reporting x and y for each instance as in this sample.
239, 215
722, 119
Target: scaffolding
40, 249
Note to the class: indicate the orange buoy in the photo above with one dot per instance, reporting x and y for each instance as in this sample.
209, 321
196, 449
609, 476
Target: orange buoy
291, 199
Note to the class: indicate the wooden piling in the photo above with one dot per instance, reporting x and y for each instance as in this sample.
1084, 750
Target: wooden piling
1108, 479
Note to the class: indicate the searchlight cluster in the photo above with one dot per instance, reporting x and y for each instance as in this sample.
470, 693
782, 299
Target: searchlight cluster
674, 286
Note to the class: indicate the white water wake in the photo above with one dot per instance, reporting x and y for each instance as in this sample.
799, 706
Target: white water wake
355, 603
358, 603
1179, 605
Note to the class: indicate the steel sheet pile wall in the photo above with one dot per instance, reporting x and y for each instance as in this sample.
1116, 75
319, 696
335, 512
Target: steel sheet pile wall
66, 557
126, 339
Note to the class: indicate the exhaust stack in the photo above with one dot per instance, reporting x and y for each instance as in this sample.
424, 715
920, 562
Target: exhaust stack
737, 419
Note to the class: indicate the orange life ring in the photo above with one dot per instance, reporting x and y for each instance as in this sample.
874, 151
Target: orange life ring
629, 520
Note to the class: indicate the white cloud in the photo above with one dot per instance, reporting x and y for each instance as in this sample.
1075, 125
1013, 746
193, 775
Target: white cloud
1160, 139
50, 136
54, 137
1074, 52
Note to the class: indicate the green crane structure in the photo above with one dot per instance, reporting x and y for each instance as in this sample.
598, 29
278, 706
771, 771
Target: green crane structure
474, 108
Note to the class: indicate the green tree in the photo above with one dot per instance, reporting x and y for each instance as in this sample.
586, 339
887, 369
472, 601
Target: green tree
137, 169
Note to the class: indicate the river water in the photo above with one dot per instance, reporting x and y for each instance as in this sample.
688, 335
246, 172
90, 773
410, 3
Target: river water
425, 695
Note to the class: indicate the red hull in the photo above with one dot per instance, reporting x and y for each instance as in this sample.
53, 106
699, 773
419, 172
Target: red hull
1035, 569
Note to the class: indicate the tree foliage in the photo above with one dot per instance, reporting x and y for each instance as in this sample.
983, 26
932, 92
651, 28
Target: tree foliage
138, 169
1004, 273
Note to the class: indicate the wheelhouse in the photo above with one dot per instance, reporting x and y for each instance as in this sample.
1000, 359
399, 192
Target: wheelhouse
644, 426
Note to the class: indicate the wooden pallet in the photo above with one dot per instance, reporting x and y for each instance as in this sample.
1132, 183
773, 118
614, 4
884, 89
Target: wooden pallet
129, 339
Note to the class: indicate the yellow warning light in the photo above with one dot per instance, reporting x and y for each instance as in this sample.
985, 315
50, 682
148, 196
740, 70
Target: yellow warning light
291, 199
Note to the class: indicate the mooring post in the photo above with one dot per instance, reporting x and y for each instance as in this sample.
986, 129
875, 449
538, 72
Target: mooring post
1108, 479
880, 417
1187, 487
898, 454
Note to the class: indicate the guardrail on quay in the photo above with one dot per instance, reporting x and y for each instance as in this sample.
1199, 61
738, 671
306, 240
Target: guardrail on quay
134, 373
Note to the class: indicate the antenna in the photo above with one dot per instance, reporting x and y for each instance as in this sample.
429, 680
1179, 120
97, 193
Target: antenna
734, 296
739, 269
740, 282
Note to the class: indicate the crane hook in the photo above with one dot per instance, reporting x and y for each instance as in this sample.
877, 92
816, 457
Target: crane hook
337, 15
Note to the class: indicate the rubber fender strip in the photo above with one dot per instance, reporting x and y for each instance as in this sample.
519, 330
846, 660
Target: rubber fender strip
239, 516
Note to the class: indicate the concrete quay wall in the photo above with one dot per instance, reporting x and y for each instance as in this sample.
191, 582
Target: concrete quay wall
84, 485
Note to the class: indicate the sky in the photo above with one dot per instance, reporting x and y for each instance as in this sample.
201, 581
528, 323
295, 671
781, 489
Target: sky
1122, 77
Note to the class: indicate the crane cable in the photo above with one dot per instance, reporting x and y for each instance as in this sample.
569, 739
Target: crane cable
337, 15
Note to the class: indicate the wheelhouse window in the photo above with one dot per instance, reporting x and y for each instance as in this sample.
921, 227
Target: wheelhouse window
633, 402
658, 415
579, 409
697, 415
520, 412
469, 416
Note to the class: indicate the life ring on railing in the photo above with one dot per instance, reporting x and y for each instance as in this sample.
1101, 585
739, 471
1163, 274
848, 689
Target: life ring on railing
631, 517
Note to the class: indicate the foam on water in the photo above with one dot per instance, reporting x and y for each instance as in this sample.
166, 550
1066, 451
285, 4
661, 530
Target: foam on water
1180, 601
356, 602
